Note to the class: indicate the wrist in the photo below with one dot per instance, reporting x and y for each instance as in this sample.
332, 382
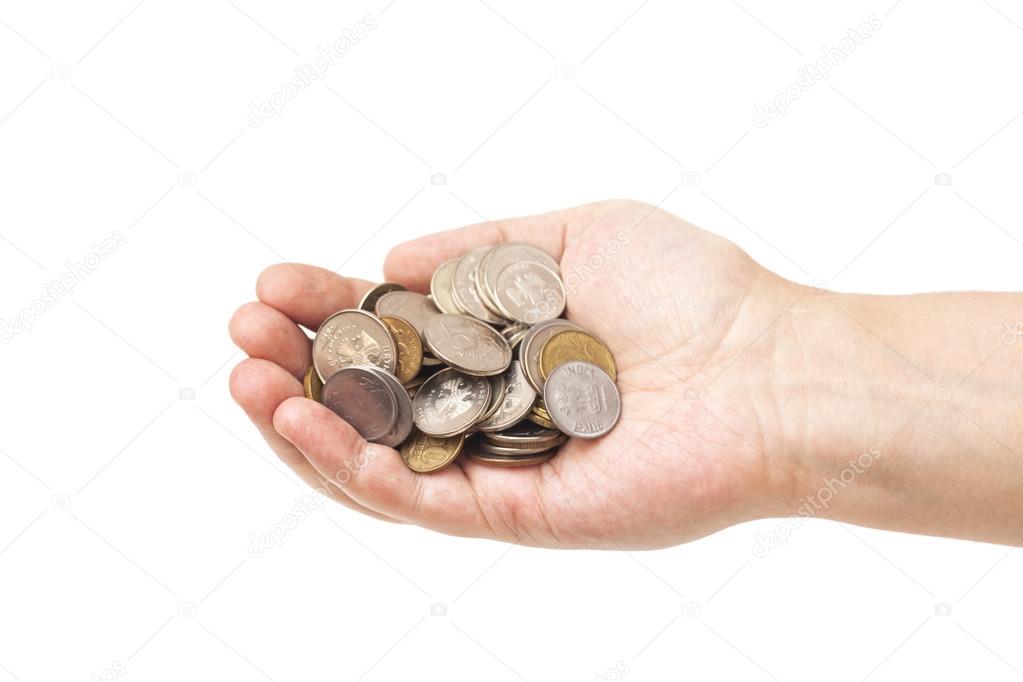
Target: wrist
900, 412
839, 395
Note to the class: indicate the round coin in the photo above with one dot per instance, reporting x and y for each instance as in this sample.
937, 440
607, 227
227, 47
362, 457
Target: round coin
352, 337
423, 453
529, 292
582, 400
503, 255
525, 434
312, 386
569, 345
504, 461
497, 389
532, 344
370, 298
409, 345
467, 344
540, 420
518, 451
403, 416
414, 308
464, 291
362, 398
516, 402
450, 402
442, 284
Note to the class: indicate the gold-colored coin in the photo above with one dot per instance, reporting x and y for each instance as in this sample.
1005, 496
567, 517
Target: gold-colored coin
572, 345
423, 454
410, 347
312, 386
539, 415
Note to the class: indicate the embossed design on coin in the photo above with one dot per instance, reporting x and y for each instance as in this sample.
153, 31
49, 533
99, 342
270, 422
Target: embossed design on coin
569, 345
370, 298
518, 400
402, 426
467, 344
359, 396
442, 285
352, 337
532, 344
414, 308
409, 345
582, 400
450, 402
529, 292
312, 386
424, 453
466, 296
500, 257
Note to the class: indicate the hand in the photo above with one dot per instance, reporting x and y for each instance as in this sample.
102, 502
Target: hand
677, 306
743, 396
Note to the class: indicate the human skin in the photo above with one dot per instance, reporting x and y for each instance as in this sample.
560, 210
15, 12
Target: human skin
744, 396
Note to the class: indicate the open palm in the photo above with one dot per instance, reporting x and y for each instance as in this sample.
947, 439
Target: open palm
687, 316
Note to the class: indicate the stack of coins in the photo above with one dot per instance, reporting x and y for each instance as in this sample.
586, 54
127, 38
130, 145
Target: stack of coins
484, 365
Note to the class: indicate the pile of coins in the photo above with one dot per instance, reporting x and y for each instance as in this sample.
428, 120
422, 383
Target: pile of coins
483, 365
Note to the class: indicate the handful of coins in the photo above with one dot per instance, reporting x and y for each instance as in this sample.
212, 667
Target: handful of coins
485, 358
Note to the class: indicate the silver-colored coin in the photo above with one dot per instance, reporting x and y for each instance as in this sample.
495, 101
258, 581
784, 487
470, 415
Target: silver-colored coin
403, 415
529, 292
500, 257
532, 344
414, 308
517, 401
442, 284
515, 339
464, 289
370, 298
353, 337
497, 389
582, 400
505, 461
515, 451
513, 329
524, 434
362, 398
450, 402
467, 344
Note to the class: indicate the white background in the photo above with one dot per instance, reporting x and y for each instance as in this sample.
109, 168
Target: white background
130, 483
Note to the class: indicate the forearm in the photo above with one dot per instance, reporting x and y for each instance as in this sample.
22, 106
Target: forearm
905, 412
